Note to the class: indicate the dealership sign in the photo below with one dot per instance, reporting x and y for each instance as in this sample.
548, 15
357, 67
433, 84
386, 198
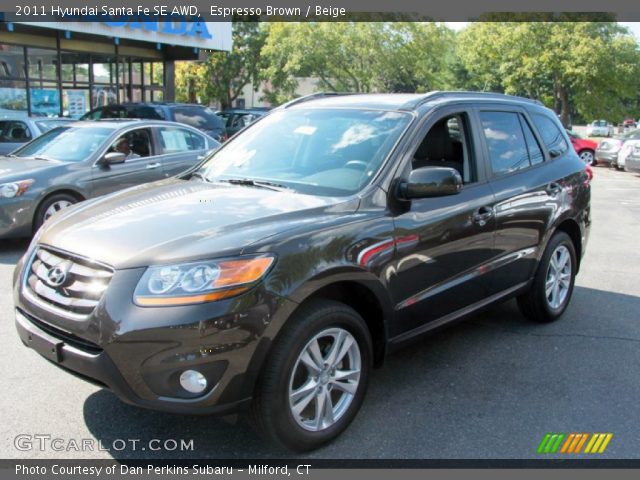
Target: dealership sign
180, 30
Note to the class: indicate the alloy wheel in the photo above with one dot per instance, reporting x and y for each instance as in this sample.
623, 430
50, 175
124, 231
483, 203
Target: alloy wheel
324, 379
55, 207
558, 279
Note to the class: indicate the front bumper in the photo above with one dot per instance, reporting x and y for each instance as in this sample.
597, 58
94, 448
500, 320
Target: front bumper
16, 217
139, 353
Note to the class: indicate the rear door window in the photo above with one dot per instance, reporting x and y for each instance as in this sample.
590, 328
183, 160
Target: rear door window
198, 117
175, 140
505, 141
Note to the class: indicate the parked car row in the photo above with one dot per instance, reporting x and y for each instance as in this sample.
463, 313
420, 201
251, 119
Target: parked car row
219, 125
81, 160
614, 151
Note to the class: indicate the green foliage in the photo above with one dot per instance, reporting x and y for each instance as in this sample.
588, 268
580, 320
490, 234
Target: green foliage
588, 67
358, 57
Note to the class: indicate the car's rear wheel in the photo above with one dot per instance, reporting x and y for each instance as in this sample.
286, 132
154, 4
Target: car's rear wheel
588, 157
552, 287
50, 206
315, 378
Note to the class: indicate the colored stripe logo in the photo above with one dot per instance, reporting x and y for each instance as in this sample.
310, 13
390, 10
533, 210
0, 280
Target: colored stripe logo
573, 443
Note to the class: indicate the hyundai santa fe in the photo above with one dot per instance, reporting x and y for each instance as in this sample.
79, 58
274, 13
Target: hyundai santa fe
274, 275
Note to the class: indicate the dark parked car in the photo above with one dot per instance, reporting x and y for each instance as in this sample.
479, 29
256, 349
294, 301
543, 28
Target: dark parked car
332, 231
197, 116
88, 159
238, 118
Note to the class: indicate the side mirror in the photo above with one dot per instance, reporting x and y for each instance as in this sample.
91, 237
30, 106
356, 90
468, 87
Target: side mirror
112, 158
431, 182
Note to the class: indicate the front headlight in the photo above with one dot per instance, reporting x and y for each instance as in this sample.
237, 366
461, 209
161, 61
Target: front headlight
199, 282
14, 189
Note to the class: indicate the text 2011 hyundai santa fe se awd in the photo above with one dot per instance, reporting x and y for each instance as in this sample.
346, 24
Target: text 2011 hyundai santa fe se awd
277, 273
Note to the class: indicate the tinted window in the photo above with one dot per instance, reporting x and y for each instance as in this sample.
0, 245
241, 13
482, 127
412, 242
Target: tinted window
198, 117
12, 131
66, 143
550, 133
535, 152
143, 111
173, 140
505, 140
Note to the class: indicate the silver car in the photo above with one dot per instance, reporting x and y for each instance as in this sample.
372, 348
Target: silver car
87, 159
633, 160
614, 151
17, 128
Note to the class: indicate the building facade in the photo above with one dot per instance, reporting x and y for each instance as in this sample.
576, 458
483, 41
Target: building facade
69, 68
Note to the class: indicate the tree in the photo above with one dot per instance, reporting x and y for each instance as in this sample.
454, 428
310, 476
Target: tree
224, 75
588, 67
190, 82
358, 56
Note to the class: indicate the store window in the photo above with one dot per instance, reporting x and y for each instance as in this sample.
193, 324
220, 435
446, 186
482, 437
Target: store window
45, 100
104, 69
13, 95
11, 61
43, 64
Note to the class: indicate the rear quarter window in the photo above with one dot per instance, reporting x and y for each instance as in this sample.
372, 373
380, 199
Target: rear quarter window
550, 132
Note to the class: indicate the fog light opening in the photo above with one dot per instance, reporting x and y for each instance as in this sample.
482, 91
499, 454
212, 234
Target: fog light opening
193, 381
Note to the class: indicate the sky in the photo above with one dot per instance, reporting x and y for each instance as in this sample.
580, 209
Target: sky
633, 26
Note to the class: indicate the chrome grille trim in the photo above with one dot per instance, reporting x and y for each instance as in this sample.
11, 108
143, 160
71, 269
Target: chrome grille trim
78, 295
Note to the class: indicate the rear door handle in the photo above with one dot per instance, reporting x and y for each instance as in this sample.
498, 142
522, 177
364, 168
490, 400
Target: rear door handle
553, 189
153, 165
483, 215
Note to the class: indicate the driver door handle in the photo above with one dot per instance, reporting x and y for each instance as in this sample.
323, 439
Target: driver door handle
483, 215
153, 165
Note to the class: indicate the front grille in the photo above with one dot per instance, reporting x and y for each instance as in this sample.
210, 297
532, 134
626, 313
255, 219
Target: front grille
71, 285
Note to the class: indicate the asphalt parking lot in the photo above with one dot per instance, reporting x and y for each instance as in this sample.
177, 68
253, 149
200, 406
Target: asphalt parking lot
490, 387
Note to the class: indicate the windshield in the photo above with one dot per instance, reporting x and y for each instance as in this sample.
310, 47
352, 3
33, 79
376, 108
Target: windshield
68, 144
46, 125
320, 152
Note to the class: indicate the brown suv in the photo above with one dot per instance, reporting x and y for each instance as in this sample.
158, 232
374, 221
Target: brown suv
273, 276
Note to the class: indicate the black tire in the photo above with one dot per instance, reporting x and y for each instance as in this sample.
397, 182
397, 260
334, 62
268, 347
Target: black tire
535, 304
47, 203
272, 412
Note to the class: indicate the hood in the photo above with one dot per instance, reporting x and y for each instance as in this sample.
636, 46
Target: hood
177, 220
18, 168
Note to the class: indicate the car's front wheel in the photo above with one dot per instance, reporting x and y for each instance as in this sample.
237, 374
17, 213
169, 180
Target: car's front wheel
315, 378
552, 286
51, 205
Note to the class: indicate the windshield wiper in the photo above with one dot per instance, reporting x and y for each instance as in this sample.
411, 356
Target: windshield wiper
255, 183
199, 175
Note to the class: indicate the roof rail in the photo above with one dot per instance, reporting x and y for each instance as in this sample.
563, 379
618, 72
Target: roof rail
313, 96
443, 94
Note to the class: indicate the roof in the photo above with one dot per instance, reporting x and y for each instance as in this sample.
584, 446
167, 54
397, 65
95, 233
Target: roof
399, 101
116, 123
